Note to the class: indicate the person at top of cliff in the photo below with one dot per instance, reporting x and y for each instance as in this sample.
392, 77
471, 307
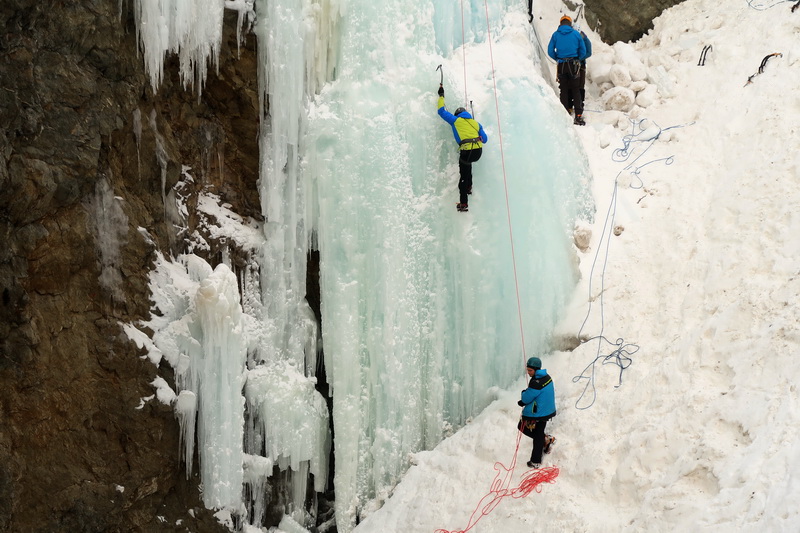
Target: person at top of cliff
539, 406
470, 137
568, 49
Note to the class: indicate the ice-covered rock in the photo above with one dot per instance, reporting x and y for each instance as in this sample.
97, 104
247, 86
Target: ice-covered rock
628, 56
597, 69
647, 97
660, 78
619, 75
619, 98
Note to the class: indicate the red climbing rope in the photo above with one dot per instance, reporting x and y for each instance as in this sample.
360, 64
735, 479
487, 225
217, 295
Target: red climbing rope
533, 479
505, 182
464, 54
502, 158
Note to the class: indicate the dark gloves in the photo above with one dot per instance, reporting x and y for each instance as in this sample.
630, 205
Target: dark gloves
441, 90
521, 403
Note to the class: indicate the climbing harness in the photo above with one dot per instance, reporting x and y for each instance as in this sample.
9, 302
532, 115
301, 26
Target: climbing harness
476, 140
571, 69
761, 67
703, 55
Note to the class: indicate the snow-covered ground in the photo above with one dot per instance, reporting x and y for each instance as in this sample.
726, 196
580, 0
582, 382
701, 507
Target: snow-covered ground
702, 279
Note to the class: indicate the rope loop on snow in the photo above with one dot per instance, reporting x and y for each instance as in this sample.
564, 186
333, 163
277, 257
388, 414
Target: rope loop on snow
640, 134
762, 7
621, 354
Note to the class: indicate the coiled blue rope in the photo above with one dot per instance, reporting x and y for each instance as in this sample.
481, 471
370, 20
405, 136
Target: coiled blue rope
621, 354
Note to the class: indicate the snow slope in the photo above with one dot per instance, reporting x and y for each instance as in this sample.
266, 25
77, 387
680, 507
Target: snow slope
702, 433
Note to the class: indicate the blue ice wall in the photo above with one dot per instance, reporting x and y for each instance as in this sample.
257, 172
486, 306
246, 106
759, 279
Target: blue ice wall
419, 302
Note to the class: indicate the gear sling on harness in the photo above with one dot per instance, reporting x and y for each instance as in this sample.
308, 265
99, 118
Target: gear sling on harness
570, 69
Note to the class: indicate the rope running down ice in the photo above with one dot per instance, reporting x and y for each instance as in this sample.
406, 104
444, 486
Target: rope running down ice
533, 479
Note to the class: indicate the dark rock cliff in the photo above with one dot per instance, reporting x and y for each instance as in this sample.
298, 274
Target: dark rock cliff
623, 20
76, 451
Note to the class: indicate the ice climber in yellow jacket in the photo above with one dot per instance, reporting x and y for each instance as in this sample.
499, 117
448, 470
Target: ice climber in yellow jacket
470, 137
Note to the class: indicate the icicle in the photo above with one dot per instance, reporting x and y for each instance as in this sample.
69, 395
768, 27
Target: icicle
219, 376
137, 133
193, 30
161, 156
110, 228
186, 411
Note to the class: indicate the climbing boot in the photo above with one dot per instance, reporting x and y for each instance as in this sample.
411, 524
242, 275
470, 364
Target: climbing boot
579, 120
549, 440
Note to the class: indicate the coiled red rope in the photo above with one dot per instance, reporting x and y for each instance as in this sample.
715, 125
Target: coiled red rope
531, 481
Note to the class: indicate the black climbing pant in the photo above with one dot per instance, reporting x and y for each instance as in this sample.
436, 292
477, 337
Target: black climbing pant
569, 84
465, 160
538, 440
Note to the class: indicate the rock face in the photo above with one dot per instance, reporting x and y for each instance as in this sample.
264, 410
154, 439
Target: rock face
87, 156
623, 20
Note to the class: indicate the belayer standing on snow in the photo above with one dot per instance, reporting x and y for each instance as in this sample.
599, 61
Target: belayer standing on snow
568, 49
539, 406
470, 137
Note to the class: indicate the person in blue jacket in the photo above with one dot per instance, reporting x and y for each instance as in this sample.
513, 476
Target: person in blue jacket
539, 406
470, 137
588, 45
567, 48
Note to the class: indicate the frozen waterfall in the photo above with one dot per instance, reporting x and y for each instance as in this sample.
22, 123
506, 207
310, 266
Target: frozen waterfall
419, 309
420, 314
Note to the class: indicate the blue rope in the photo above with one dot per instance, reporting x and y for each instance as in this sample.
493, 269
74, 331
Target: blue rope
620, 355
761, 7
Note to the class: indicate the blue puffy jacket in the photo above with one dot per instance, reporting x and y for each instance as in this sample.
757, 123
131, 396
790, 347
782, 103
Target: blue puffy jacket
540, 396
566, 43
